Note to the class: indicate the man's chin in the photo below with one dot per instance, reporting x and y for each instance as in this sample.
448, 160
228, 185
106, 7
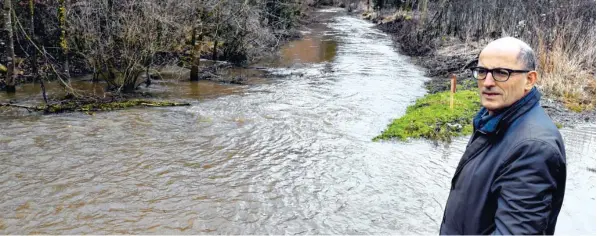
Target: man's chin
490, 106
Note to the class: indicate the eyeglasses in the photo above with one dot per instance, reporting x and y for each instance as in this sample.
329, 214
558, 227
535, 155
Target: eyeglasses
499, 74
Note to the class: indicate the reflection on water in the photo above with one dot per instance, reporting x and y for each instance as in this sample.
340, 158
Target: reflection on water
311, 49
288, 156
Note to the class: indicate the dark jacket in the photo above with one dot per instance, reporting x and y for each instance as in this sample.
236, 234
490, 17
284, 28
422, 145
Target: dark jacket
512, 176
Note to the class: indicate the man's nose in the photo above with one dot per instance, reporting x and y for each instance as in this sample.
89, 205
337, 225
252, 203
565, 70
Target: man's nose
489, 81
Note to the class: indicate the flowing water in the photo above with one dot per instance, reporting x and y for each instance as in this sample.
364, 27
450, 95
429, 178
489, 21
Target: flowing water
285, 155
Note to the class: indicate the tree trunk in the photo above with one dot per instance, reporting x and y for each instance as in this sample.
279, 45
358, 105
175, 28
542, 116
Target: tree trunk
34, 52
32, 35
10, 66
194, 61
214, 55
63, 37
423, 9
43, 89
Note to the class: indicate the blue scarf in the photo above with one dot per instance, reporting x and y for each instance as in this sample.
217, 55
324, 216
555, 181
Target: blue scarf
489, 123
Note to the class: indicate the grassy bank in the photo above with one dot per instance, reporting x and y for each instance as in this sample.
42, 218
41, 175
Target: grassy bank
431, 117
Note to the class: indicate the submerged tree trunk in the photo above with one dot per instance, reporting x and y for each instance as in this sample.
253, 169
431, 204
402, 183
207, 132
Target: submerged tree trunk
215, 52
33, 41
43, 89
10, 66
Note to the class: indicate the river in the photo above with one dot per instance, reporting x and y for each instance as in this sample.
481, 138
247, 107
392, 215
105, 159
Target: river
290, 154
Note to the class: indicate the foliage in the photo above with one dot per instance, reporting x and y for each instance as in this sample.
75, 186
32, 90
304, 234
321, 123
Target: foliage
431, 117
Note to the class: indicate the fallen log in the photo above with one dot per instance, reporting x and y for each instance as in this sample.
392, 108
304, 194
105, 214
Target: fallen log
78, 106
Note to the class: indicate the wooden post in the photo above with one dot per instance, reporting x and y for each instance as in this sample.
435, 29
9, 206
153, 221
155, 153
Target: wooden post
452, 90
453, 83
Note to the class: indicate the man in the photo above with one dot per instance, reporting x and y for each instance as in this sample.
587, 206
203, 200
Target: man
512, 176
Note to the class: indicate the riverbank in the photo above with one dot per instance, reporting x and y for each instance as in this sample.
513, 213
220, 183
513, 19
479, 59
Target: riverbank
450, 56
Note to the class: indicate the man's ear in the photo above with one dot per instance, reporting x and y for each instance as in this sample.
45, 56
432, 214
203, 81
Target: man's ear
531, 80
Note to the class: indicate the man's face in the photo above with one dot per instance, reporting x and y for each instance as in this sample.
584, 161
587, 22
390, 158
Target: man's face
497, 95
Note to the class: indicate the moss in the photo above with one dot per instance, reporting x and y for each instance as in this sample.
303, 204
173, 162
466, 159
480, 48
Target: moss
72, 106
432, 118
31, 7
559, 125
62, 24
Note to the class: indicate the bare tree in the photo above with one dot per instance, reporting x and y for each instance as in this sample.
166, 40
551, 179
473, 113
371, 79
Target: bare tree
32, 39
120, 38
10, 56
63, 36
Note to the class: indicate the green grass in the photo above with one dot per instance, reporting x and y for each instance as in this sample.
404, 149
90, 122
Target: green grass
432, 118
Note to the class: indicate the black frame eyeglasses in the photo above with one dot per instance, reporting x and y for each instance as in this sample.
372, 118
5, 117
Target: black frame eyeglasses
499, 74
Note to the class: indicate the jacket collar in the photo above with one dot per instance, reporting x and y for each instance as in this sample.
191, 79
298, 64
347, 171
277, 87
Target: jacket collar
502, 119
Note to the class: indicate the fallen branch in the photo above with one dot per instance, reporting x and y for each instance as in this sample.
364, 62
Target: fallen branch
90, 106
21, 106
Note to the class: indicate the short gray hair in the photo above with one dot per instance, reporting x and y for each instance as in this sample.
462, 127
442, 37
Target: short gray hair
527, 57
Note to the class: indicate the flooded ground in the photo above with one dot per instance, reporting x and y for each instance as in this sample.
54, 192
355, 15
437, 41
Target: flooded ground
285, 155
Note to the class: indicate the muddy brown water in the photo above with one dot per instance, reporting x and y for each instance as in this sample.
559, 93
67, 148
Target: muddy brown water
285, 155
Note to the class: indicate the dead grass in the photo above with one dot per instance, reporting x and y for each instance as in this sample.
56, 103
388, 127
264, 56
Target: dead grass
563, 77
